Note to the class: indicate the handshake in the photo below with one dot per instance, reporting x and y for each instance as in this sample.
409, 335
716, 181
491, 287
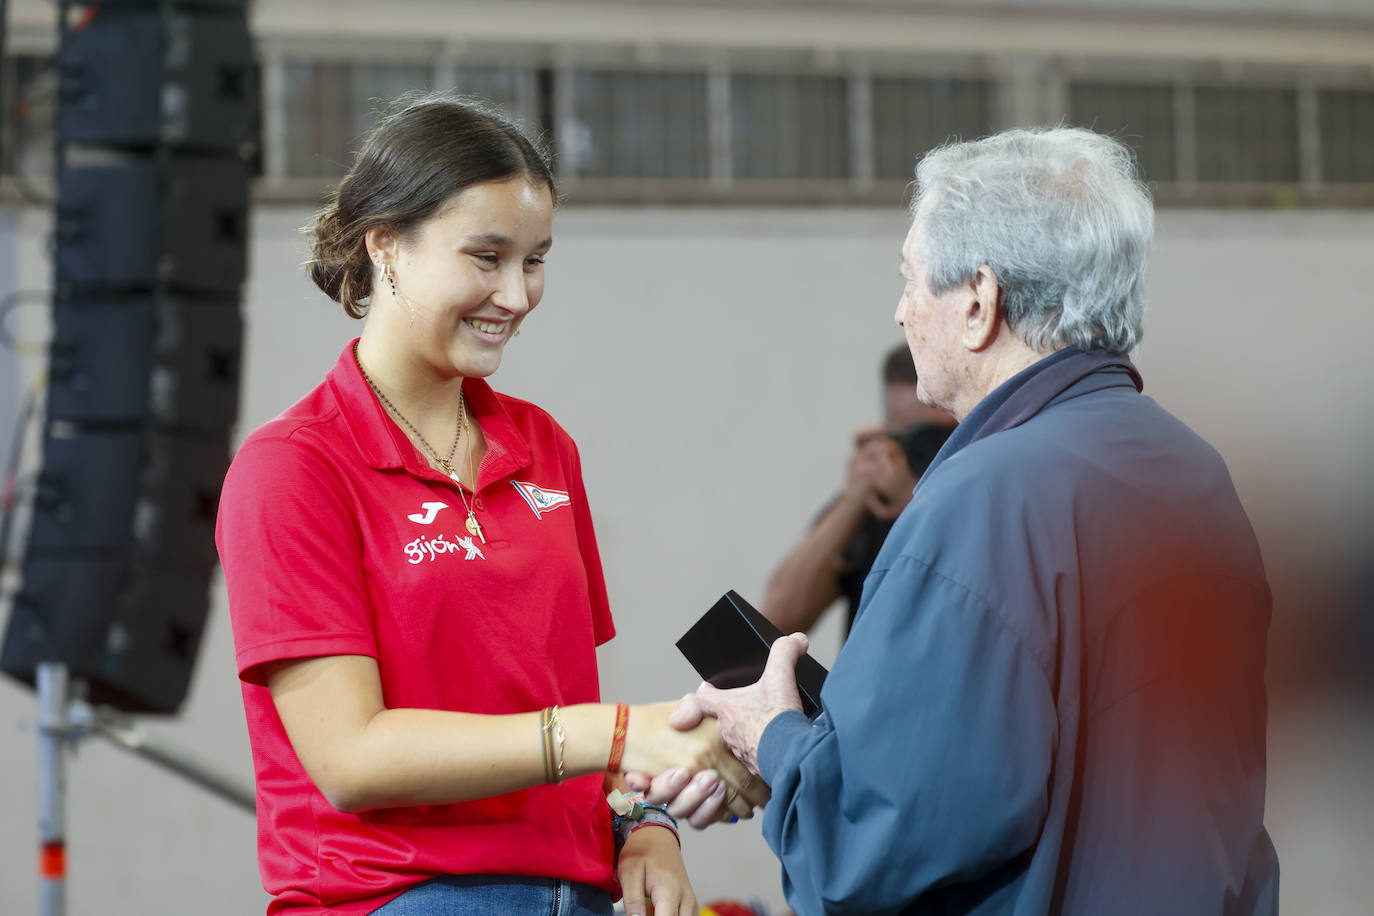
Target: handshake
699, 757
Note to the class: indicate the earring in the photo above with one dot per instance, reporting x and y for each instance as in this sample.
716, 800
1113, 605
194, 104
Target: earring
390, 278
517, 333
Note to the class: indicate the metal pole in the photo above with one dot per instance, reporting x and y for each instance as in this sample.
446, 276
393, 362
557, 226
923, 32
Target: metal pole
52, 788
123, 733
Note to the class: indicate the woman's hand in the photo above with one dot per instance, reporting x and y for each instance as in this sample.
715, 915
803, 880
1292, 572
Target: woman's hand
651, 869
655, 742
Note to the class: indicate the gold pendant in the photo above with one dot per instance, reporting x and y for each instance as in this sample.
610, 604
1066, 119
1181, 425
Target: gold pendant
474, 528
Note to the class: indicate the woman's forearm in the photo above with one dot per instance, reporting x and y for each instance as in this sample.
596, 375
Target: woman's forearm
429, 757
363, 755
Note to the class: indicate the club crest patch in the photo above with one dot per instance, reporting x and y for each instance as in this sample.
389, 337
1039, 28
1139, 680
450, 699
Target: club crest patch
541, 499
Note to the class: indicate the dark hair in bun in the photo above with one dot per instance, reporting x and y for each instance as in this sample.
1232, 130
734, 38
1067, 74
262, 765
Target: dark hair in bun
426, 149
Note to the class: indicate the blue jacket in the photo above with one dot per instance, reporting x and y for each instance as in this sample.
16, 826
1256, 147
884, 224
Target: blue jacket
1052, 699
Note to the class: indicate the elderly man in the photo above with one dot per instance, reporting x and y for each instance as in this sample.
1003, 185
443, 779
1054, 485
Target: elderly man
1052, 699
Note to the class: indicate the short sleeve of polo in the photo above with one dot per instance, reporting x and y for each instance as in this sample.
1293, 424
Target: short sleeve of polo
292, 556
602, 624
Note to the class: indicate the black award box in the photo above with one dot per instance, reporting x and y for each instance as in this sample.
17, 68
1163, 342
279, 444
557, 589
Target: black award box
729, 647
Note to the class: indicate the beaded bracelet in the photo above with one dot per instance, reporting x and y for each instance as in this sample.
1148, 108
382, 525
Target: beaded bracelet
630, 812
658, 816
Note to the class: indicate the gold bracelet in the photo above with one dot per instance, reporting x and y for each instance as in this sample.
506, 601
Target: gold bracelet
553, 725
544, 744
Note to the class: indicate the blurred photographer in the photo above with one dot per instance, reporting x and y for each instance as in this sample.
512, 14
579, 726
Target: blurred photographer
834, 557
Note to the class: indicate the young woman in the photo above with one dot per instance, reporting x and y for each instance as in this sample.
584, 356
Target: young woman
414, 583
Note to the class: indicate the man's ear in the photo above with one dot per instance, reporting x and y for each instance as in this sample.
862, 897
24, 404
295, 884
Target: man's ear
982, 317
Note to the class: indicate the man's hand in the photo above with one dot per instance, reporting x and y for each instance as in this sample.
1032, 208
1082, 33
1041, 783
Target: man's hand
700, 799
858, 481
881, 463
657, 741
742, 715
697, 798
744, 712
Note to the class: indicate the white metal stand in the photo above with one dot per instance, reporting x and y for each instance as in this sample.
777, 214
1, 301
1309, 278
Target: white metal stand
52, 788
62, 724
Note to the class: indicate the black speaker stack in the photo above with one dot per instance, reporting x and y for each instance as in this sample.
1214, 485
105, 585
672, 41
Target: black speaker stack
156, 121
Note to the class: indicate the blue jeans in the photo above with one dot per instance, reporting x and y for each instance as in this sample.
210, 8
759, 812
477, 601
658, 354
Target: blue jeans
459, 895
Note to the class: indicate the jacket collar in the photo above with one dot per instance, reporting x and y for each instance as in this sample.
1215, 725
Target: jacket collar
1033, 389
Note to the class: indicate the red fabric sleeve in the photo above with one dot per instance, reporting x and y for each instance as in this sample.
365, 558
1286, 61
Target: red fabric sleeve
292, 558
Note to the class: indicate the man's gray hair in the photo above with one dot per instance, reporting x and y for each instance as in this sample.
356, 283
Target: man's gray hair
1061, 217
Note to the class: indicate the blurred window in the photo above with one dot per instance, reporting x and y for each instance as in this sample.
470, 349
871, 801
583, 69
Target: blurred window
615, 122
330, 105
1347, 135
1138, 114
1246, 134
636, 124
789, 126
499, 86
914, 114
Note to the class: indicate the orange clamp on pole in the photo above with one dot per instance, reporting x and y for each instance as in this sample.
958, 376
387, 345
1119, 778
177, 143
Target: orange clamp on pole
52, 861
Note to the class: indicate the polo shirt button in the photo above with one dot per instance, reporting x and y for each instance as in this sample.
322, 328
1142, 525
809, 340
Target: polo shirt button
477, 503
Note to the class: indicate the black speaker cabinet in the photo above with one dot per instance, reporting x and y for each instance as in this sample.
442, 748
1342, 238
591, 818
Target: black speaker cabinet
138, 75
157, 111
108, 492
132, 223
127, 627
118, 564
135, 358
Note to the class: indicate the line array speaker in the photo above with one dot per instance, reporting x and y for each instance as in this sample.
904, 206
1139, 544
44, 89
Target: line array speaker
156, 118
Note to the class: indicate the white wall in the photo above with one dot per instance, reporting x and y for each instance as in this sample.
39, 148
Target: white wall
711, 364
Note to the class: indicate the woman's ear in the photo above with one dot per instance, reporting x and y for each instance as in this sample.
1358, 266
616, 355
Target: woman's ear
381, 245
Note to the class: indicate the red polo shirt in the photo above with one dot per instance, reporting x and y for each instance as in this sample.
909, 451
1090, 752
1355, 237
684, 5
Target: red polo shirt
337, 538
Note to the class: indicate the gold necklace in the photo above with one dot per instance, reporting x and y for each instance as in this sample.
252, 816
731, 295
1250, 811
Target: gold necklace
472, 525
474, 528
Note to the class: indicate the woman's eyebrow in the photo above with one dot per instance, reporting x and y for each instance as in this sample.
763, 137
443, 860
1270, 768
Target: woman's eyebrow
496, 240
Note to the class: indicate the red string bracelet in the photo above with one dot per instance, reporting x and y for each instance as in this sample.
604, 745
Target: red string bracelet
622, 719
